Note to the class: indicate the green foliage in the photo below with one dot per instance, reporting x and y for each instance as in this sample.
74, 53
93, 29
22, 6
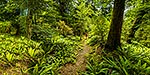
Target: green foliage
99, 30
142, 33
15, 49
81, 20
58, 51
95, 66
132, 59
44, 58
61, 47
57, 27
4, 26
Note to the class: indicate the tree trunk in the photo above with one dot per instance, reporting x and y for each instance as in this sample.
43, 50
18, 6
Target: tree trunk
18, 29
63, 8
29, 24
113, 40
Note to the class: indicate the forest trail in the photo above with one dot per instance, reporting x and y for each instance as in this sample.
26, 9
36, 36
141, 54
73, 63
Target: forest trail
80, 65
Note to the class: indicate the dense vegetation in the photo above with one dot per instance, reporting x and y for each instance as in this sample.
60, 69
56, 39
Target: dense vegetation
42, 37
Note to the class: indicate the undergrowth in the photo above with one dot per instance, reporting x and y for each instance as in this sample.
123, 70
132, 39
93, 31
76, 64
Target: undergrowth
132, 59
42, 58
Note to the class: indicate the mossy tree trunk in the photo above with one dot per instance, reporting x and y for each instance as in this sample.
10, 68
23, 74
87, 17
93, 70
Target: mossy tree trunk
113, 40
29, 24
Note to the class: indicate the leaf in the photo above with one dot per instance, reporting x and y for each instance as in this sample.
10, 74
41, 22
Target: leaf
31, 52
46, 70
9, 57
144, 65
104, 70
35, 71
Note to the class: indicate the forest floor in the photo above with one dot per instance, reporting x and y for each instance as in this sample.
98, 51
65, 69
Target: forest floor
13, 70
67, 69
80, 65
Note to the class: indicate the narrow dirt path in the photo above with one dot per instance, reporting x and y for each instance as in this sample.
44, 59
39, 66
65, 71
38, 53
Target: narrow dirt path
80, 65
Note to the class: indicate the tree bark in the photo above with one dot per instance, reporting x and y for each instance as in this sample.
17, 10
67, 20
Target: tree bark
18, 29
62, 9
29, 24
114, 36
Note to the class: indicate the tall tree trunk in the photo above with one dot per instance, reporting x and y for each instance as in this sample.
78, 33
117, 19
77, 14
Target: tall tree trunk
63, 8
29, 24
113, 40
